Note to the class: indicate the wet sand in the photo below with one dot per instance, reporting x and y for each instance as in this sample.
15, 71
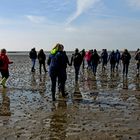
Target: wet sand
105, 107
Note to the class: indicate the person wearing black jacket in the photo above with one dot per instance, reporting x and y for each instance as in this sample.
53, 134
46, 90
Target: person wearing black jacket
125, 60
42, 58
33, 57
95, 61
76, 60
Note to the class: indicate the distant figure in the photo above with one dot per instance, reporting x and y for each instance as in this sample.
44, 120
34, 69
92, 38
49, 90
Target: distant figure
118, 57
33, 57
57, 62
137, 51
125, 60
76, 60
104, 58
4, 67
83, 53
95, 61
42, 58
112, 59
137, 58
88, 58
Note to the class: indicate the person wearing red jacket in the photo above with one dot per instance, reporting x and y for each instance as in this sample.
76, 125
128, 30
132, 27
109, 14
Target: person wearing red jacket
4, 67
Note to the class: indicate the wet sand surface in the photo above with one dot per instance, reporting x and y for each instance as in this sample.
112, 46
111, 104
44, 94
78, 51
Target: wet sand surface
105, 107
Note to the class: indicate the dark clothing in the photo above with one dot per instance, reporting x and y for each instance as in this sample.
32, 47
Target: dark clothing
95, 61
104, 58
137, 58
33, 54
125, 57
125, 60
42, 58
118, 57
33, 57
76, 60
112, 59
83, 53
5, 74
57, 69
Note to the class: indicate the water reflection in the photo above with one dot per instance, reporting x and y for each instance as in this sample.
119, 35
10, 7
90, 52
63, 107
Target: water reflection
77, 93
5, 106
59, 123
33, 82
103, 79
42, 84
125, 83
137, 83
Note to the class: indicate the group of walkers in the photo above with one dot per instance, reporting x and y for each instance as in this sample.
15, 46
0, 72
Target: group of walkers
114, 58
41, 58
58, 61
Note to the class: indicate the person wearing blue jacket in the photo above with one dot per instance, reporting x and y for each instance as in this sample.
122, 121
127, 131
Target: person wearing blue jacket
57, 70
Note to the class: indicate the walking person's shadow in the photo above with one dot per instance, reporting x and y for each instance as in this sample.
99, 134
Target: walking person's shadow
5, 107
59, 121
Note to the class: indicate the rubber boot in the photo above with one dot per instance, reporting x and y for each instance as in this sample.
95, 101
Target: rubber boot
3, 82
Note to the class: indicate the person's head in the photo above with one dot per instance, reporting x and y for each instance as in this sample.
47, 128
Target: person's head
83, 50
33, 49
91, 51
3, 51
95, 51
41, 51
76, 50
61, 47
125, 50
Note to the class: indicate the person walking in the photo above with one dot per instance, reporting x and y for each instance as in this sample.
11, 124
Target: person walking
33, 57
118, 56
57, 70
95, 61
83, 53
42, 58
112, 59
125, 60
104, 58
88, 58
137, 58
4, 69
76, 60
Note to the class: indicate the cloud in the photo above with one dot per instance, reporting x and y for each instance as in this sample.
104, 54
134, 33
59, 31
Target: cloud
82, 6
70, 29
36, 19
134, 3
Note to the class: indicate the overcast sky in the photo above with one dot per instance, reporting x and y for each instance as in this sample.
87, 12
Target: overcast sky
89, 24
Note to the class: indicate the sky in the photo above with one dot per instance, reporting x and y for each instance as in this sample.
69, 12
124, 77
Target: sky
83, 24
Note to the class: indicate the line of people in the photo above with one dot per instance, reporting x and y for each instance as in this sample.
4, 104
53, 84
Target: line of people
58, 61
114, 58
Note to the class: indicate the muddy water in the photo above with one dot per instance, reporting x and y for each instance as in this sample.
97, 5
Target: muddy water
105, 107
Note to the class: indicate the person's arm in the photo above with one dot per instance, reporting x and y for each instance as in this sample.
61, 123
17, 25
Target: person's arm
7, 60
